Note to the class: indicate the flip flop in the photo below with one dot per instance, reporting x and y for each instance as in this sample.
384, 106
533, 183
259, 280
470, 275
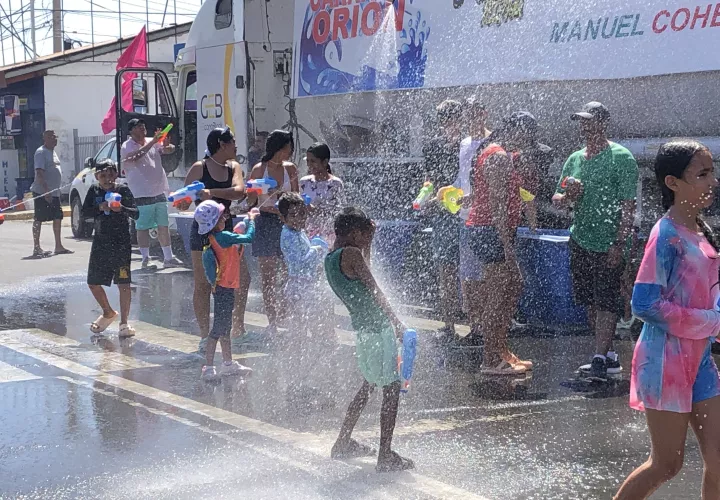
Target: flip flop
101, 324
64, 251
42, 255
503, 368
514, 360
126, 331
353, 450
395, 464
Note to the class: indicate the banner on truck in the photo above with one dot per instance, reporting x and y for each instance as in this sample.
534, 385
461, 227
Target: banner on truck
343, 46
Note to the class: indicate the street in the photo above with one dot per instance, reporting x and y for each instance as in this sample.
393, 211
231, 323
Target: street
101, 418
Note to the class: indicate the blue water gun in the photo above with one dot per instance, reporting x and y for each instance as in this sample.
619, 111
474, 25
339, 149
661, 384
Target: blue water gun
406, 358
260, 186
186, 194
317, 241
113, 200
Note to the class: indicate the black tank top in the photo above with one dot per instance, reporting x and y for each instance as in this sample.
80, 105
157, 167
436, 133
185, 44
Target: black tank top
211, 183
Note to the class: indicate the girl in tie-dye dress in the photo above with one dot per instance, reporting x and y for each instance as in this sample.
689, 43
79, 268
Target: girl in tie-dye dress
674, 378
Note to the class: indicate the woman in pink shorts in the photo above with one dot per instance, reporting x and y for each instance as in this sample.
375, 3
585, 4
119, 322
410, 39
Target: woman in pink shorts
674, 378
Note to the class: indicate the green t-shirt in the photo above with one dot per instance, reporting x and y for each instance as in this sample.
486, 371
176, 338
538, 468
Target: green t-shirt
608, 179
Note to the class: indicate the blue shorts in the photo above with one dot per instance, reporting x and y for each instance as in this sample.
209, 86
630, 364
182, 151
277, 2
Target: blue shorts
152, 216
471, 268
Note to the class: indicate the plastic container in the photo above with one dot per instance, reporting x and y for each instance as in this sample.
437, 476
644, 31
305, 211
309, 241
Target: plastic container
547, 301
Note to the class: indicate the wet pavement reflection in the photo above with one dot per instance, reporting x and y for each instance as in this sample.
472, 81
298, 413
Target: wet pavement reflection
88, 416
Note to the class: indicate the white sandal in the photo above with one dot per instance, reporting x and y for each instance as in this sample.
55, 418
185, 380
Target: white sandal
101, 324
126, 331
503, 368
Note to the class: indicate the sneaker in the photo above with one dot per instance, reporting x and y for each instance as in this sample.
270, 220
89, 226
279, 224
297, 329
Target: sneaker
172, 263
595, 369
234, 368
613, 366
209, 373
202, 346
146, 265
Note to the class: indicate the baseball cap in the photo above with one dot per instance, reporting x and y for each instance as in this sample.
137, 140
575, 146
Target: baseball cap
207, 215
592, 111
523, 120
134, 123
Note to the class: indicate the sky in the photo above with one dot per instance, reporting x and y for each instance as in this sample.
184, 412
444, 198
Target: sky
80, 26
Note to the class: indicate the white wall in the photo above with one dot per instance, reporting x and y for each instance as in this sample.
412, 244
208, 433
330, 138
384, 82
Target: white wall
78, 95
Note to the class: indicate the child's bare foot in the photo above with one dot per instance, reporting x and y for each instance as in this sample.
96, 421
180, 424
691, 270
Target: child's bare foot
393, 463
351, 449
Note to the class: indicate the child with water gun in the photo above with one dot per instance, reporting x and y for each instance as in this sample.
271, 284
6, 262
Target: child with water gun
111, 246
378, 330
308, 306
221, 263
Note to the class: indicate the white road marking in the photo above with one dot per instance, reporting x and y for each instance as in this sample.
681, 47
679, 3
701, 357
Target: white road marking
306, 442
10, 373
68, 348
177, 340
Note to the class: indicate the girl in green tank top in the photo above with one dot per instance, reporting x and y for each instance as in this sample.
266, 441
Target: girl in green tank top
377, 330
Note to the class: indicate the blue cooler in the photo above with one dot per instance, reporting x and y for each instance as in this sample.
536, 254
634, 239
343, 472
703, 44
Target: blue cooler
547, 301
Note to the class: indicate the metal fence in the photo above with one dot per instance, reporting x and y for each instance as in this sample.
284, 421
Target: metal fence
87, 146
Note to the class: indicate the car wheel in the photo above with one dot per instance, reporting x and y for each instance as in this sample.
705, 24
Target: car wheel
80, 228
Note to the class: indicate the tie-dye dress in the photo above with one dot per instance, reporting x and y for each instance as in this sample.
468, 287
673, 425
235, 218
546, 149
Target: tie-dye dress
676, 295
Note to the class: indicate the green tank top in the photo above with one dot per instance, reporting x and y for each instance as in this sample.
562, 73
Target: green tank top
365, 314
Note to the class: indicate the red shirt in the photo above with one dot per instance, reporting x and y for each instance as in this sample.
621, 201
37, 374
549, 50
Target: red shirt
481, 212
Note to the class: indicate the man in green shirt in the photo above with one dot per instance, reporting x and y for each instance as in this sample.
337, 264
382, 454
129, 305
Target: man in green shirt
599, 182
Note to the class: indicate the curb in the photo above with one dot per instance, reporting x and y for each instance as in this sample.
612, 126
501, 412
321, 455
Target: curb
29, 214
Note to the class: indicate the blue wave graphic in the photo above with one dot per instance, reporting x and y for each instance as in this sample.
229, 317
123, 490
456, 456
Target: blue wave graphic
319, 73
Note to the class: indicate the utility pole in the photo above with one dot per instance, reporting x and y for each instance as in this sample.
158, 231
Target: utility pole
57, 27
32, 29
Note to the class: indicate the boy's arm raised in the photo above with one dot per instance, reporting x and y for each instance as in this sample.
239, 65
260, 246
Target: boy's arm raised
359, 270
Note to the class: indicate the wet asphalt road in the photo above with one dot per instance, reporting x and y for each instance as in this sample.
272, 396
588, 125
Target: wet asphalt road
111, 419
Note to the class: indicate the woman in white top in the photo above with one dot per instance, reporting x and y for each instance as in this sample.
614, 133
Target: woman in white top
268, 226
326, 193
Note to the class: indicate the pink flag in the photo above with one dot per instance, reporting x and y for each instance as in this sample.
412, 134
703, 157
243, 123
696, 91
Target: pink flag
135, 56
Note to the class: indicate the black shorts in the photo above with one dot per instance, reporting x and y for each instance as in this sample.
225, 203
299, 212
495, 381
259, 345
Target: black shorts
486, 244
199, 241
446, 242
109, 264
268, 228
594, 282
46, 211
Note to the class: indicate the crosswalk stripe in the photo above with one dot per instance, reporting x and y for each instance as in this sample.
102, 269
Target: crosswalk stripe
10, 373
314, 444
67, 347
177, 340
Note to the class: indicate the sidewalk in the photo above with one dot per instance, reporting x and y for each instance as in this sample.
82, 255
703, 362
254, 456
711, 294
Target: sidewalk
29, 214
